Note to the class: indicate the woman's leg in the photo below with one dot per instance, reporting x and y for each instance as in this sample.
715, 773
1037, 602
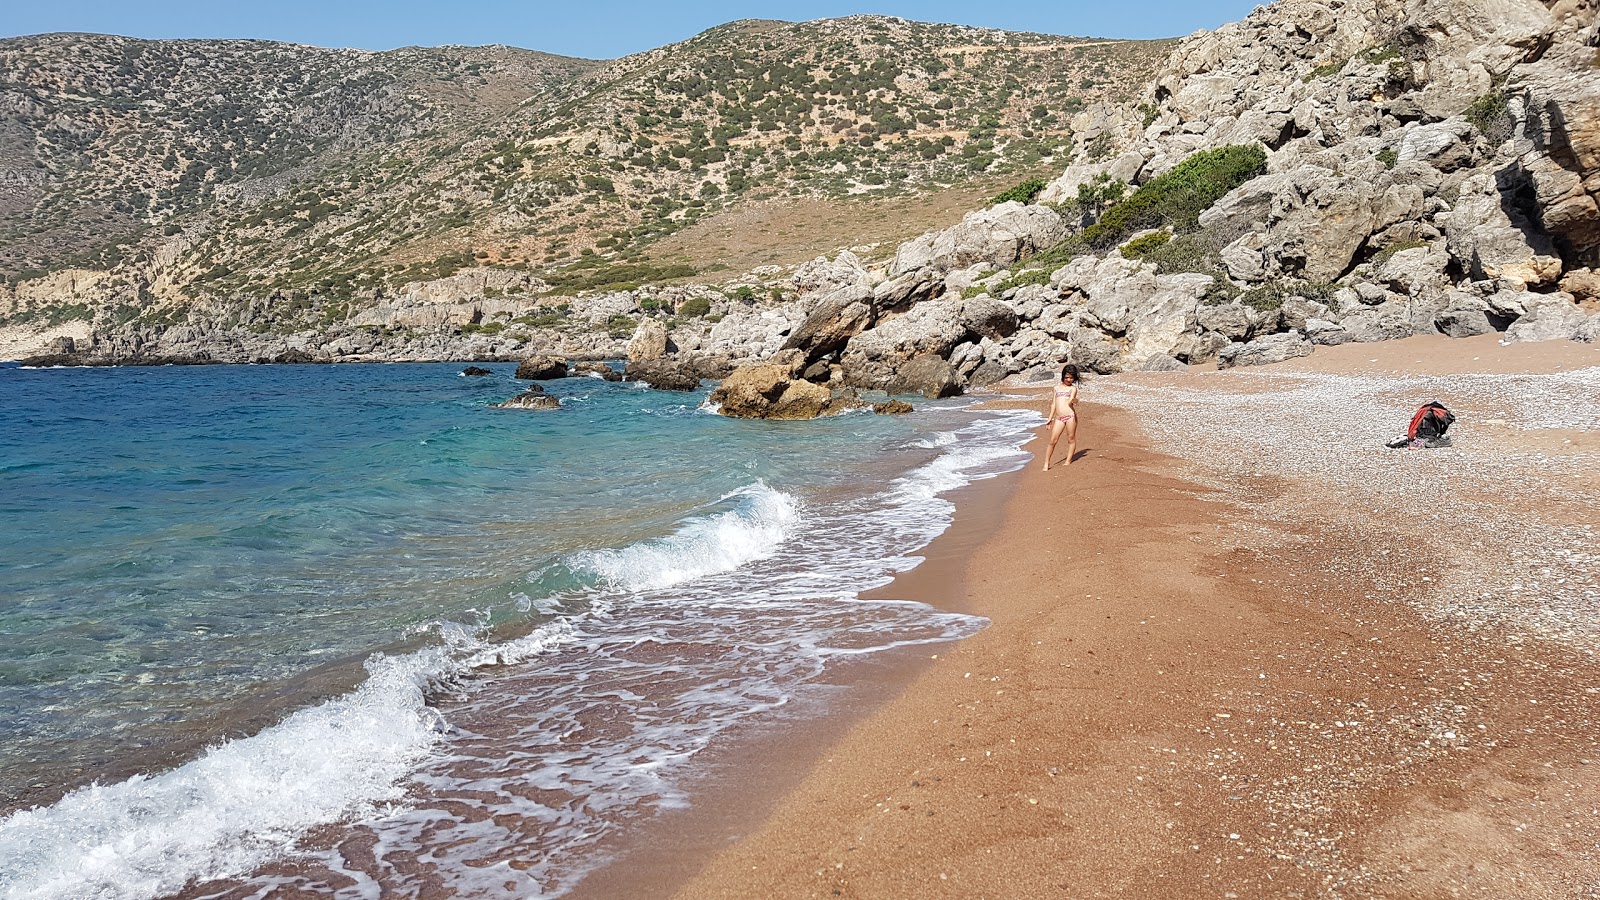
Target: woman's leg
1056, 426
1072, 438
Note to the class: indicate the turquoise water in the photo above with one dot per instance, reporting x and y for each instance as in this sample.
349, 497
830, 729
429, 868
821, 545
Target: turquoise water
405, 608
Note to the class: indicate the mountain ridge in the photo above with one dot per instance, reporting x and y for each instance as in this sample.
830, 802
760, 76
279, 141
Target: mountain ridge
485, 155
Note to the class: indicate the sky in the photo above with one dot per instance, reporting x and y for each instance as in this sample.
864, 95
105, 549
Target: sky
597, 29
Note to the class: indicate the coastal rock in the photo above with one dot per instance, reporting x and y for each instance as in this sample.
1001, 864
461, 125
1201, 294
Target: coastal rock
649, 341
892, 408
1160, 362
595, 368
476, 372
1549, 317
930, 376
1273, 348
837, 316
932, 328
1582, 284
542, 368
530, 400
774, 390
822, 275
1490, 238
664, 375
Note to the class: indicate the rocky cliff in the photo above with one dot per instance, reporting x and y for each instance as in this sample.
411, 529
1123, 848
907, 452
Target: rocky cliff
1318, 173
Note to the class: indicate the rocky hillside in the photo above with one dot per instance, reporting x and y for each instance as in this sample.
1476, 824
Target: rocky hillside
141, 181
1324, 171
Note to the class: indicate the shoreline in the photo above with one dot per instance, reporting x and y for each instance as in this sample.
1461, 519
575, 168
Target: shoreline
1270, 711
741, 784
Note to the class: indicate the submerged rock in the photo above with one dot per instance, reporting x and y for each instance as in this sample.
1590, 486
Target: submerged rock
595, 368
531, 400
475, 372
892, 408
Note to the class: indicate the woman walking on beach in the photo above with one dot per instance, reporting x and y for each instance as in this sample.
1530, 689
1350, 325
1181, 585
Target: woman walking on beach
1064, 414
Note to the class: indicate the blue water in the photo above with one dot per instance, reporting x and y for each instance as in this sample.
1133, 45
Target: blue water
416, 595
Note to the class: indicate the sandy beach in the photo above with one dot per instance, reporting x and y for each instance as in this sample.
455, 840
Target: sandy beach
1239, 649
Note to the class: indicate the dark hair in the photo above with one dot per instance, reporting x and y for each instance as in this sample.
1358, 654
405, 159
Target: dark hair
1069, 369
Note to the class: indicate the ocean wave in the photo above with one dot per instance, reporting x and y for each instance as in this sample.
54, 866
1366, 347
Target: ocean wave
760, 521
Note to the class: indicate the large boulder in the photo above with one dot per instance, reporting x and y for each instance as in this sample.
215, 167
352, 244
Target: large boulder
542, 368
930, 376
987, 317
649, 341
1549, 317
1562, 161
774, 390
836, 317
1445, 146
824, 275
663, 375
933, 328
999, 235
1274, 348
1314, 220
1463, 316
596, 369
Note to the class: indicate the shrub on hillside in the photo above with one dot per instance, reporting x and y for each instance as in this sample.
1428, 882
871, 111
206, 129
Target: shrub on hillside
1024, 192
695, 307
1141, 247
1176, 199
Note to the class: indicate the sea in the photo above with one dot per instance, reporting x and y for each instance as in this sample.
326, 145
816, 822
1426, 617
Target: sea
351, 631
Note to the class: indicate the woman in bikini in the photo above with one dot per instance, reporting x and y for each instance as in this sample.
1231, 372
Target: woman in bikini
1064, 415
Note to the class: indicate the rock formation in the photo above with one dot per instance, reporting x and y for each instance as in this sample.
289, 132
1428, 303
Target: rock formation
542, 368
775, 390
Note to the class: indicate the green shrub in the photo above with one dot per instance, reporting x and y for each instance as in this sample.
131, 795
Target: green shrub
695, 307
1272, 296
1326, 70
1060, 254
1491, 115
1024, 192
1139, 248
1177, 198
1196, 253
620, 326
1387, 253
1388, 157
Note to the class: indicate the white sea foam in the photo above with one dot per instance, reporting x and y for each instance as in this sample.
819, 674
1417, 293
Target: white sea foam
761, 520
244, 801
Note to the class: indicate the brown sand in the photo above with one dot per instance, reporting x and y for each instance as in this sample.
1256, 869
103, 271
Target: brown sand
1179, 698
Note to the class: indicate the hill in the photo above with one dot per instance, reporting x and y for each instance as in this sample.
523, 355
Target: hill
140, 177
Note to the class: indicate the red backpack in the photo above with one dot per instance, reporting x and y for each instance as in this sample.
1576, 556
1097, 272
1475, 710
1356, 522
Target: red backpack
1431, 422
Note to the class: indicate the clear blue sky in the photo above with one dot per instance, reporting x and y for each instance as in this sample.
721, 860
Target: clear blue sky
599, 29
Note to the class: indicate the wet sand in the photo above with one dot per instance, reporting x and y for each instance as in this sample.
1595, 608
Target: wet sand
1213, 676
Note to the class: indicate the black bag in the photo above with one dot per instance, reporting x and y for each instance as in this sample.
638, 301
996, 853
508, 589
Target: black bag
1430, 422
1428, 427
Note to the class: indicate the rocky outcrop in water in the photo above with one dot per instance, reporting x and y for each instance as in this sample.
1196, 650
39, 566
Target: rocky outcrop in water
530, 400
775, 390
542, 368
